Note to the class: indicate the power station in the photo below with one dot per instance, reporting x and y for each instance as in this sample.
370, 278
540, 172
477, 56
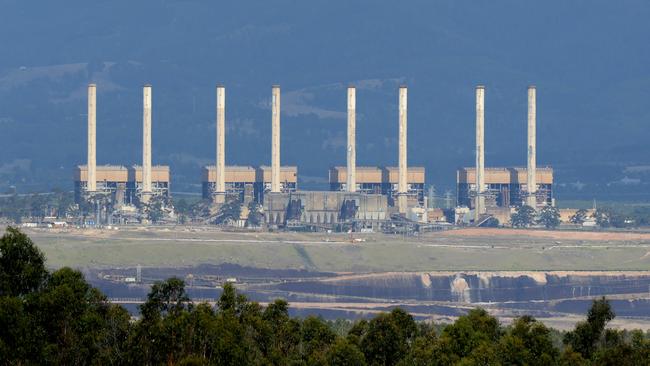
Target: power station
359, 197
246, 182
495, 191
127, 190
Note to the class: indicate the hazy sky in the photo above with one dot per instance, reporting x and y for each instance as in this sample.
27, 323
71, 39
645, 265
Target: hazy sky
589, 60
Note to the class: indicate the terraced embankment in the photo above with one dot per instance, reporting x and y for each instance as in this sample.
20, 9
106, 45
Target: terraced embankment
549, 274
475, 287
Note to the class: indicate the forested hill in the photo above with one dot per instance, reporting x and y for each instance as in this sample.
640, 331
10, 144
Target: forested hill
59, 319
588, 59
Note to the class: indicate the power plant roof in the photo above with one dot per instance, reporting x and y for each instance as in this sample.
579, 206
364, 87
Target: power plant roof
376, 174
505, 175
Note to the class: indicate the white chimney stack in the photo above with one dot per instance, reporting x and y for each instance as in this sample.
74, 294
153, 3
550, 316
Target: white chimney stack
480, 160
352, 145
92, 135
221, 140
402, 186
146, 143
275, 140
532, 146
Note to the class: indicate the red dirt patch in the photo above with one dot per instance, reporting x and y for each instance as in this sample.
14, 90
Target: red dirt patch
549, 234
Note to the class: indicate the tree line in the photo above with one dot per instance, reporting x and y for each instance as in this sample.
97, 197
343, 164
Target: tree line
57, 318
35, 206
605, 217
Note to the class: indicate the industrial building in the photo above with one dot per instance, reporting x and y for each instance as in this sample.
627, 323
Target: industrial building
121, 184
504, 187
360, 197
323, 209
381, 180
246, 182
493, 190
402, 185
364, 196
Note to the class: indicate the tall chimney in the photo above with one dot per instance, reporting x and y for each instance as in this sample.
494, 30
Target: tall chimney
480, 160
92, 135
402, 187
352, 135
221, 140
275, 140
532, 146
146, 143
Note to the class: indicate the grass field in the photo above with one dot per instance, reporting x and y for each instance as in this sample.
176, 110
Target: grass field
457, 250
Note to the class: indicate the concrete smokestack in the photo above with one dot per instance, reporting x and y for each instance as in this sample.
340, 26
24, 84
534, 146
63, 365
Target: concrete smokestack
221, 139
532, 146
146, 143
352, 135
275, 140
92, 138
480, 159
402, 187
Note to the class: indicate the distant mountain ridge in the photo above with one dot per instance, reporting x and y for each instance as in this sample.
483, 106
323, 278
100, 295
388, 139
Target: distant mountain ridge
588, 59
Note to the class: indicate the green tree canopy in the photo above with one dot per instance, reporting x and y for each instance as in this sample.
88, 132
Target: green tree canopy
523, 217
254, 214
22, 264
387, 337
345, 353
59, 318
527, 342
549, 216
165, 297
469, 331
579, 217
588, 334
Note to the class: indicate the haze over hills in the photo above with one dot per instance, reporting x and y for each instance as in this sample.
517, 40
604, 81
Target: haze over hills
588, 59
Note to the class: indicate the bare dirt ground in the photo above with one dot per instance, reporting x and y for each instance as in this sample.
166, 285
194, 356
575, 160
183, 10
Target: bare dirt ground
548, 234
